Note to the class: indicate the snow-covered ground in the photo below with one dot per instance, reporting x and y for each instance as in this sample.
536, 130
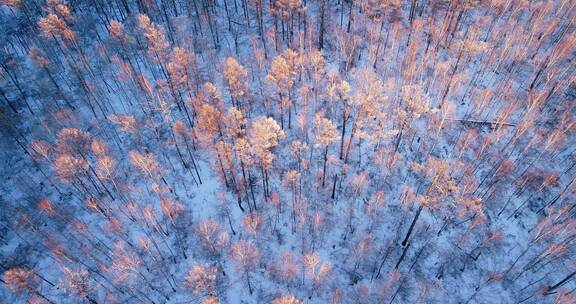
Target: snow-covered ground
275, 152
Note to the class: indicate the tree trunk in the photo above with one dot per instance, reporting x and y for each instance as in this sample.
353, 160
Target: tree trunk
350, 16
405, 241
562, 282
324, 170
322, 24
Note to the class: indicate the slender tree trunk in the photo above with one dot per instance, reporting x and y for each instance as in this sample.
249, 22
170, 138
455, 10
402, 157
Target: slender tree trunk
324, 169
322, 24
344, 119
551, 289
350, 16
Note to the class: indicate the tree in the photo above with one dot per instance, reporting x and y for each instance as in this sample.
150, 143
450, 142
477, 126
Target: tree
265, 135
244, 156
285, 268
12, 3
286, 299
293, 179
338, 89
78, 281
146, 162
210, 300
178, 68
54, 25
367, 100
297, 151
323, 22
202, 279
181, 132
127, 123
246, 257
157, 44
125, 267
235, 75
42, 62
441, 183
325, 134
70, 168
282, 76
415, 103
213, 238
179, 75
20, 280
210, 124
316, 270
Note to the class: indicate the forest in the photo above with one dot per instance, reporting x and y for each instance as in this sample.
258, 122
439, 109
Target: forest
287, 151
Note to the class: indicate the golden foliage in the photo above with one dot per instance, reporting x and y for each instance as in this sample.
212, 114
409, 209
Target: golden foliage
202, 278
325, 132
286, 299
19, 279
145, 162
53, 25
235, 75
157, 43
245, 254
69, 168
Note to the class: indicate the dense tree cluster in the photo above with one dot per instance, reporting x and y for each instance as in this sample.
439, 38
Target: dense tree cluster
287, 151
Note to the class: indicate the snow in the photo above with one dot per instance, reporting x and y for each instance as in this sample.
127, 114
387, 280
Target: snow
451, 256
